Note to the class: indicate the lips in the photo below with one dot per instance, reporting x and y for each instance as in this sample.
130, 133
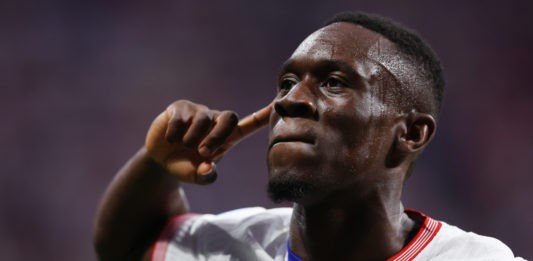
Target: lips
289, 130
292, 138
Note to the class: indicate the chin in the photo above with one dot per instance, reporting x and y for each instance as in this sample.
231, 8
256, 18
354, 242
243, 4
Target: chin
291, 188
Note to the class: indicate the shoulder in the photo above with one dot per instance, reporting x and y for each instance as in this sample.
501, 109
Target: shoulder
243, 232
453, 243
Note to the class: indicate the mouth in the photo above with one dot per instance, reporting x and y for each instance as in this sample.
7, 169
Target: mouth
287, 139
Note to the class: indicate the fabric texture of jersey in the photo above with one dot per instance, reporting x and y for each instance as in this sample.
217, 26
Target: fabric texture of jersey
262, 234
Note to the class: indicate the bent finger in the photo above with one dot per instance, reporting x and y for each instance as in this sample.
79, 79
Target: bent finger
176, 126
200, 126
225, 123
245, 128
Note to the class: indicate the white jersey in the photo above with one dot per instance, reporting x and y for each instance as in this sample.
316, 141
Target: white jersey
262, 234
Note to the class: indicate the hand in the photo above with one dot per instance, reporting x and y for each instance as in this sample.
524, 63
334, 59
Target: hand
187, 138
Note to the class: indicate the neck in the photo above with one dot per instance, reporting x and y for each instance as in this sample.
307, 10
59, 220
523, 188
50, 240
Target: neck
373, 227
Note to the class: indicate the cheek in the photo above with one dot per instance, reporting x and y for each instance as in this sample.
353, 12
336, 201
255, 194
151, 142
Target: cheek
345, 123
357, 138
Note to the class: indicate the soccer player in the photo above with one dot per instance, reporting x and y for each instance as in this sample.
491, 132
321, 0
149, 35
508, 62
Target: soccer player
356, 103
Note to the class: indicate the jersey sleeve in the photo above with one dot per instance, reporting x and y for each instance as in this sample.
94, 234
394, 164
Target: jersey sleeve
243, 234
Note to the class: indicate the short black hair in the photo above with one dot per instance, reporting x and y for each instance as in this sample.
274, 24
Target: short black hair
408, 42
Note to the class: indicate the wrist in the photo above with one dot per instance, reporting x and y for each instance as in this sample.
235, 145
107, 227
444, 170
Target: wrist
151, 163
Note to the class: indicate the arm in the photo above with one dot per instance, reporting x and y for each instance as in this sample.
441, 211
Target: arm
181, 145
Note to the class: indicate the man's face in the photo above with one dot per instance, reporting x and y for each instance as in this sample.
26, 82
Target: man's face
331, 127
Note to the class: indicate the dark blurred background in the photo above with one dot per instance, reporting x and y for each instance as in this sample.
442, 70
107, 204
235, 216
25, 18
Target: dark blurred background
80, 82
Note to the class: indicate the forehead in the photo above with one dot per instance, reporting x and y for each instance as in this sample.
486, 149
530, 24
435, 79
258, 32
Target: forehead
368, 53
347, 42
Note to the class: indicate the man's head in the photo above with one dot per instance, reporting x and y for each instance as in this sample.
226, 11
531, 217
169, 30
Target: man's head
356, 104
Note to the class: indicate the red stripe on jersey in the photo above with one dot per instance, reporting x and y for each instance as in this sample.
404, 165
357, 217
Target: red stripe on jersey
159, 250
425, 234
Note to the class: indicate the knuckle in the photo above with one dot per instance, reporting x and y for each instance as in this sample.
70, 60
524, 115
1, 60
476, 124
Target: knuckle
203, 118
186, 105
177, 104
232, 117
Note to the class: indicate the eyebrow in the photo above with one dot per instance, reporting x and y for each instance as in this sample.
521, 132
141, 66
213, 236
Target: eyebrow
321, 65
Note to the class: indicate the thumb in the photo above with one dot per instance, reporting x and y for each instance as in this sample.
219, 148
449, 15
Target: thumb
206, 173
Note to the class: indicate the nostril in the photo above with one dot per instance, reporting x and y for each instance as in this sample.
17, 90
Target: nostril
286, 108
295, 106
301, 110
311, 107
279, 108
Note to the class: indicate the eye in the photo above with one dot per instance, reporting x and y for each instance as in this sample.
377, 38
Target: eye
333, 82
286, 84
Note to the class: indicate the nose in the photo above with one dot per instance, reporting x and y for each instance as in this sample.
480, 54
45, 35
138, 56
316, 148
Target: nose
298, 102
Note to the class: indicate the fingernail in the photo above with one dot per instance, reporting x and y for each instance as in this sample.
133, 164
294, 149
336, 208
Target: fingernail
206, 168
208, 174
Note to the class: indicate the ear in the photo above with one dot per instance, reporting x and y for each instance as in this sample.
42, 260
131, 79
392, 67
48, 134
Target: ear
417, 132
413, 132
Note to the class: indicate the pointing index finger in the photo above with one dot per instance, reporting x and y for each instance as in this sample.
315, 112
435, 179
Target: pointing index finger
247, 126
250, 124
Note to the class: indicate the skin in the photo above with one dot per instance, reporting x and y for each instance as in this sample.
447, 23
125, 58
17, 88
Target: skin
181, 145
349, 141
332, 114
